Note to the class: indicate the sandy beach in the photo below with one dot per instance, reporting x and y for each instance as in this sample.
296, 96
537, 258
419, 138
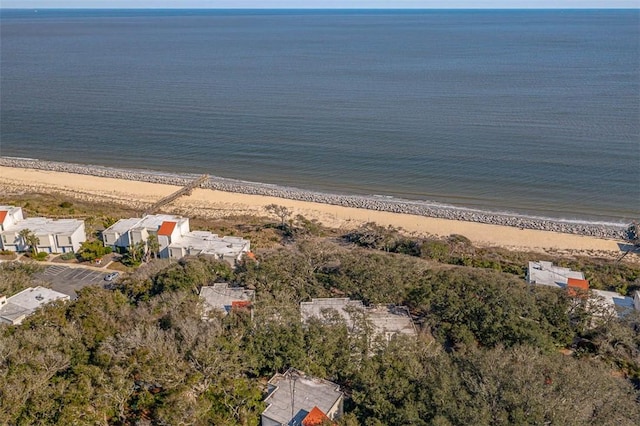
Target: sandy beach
214, 203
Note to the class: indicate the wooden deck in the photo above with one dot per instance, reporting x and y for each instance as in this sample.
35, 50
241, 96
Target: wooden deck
185, 190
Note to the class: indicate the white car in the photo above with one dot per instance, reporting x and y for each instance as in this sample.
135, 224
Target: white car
112, 276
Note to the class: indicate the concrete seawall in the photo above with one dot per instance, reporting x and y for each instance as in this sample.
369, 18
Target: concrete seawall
364, 202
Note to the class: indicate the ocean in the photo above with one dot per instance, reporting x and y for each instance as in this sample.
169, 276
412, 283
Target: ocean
531, 112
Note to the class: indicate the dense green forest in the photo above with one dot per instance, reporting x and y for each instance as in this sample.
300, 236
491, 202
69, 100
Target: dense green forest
490, 350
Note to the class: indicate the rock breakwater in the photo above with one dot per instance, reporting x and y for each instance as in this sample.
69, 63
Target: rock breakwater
363, 202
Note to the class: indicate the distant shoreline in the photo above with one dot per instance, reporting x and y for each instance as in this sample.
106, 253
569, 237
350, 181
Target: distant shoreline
373, 203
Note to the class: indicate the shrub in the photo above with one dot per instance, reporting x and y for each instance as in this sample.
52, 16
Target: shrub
68, 256
65, 204
40, 256
436, 250
92, 250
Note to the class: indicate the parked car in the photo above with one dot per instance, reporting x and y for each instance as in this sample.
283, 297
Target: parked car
112, 276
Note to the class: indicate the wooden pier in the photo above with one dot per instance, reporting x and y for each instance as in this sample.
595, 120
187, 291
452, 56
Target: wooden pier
185, 190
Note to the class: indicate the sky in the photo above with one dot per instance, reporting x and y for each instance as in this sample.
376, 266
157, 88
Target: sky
395, 4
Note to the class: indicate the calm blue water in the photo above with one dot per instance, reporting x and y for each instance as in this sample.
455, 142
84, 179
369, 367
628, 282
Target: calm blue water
525, 111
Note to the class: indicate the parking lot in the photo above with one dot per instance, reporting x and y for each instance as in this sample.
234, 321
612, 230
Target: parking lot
68, 280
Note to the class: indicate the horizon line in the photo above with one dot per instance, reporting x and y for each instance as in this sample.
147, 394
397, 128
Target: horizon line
324, 8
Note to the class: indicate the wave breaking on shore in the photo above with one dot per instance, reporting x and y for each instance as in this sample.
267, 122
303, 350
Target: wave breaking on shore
387, 204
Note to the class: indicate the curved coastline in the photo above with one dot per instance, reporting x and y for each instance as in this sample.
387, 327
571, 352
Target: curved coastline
427, 209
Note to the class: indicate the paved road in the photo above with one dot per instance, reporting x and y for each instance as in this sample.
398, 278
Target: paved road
68, 280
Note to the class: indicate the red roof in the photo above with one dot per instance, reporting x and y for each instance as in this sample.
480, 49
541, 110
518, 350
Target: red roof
3, 215
577, 283
237, 304
577, 287
166, 228
315, 418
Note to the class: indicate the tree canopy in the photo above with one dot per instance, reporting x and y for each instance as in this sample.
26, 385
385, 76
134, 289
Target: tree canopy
488, 351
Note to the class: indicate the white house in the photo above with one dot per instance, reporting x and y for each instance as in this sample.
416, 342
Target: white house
294, 398
600, 302
15, 309
55, 236
127, 232
174, 237
546, 273
117, 235
229, 249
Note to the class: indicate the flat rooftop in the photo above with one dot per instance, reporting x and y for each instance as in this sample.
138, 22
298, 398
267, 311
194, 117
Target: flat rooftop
621, 304
153, 221
123, 225
386, 320
27, 301
390, 319
308, 392
14, 313
324, 308
220, 296
45, 226
208, 242
9, 208
150, 222
546, 273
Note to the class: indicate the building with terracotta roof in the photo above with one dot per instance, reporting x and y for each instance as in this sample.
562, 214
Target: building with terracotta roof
294, 398
546, 273
175, 238
9, 215
577, 287
222, 298
127, 232
14, 309
316, 418
166, 228
54, 235
599, 303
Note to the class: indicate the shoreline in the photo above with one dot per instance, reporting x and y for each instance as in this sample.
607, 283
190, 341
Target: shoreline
372, 203
215, 204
